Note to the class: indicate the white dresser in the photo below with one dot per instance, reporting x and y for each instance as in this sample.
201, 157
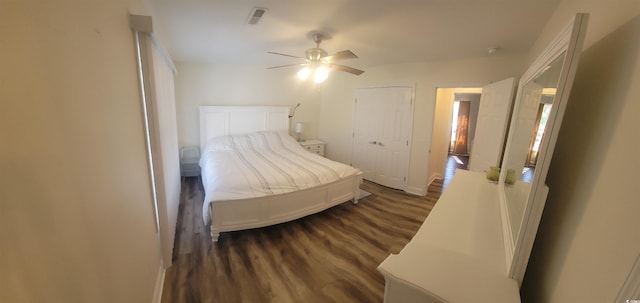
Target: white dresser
314, 146
457, 255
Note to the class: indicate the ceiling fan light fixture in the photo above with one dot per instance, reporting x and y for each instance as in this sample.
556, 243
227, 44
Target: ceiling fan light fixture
319, 62
315, 54
304, 73
321, 74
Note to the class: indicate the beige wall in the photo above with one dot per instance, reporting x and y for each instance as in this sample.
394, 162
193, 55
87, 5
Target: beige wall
76, 218
338, 93
604, 17
588, 238
210, 84
441, 133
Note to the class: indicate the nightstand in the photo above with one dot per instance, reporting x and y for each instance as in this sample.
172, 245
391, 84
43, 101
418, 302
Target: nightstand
313, 146
189, 162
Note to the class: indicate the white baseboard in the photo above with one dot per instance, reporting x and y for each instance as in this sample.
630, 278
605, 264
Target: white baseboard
433, 178
157, 292
420, 191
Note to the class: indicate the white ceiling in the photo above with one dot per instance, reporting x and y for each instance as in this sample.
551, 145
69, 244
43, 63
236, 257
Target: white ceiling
378, 31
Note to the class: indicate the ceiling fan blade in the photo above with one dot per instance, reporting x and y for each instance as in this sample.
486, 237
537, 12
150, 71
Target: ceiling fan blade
342, 55
347, 69
281, 54
286, 65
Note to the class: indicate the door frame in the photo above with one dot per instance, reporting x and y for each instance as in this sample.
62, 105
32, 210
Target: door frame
455, 90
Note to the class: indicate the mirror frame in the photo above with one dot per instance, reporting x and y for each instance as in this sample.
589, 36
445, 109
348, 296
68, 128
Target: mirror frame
569, 42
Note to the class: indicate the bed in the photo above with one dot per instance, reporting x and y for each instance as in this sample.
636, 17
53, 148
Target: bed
255, 174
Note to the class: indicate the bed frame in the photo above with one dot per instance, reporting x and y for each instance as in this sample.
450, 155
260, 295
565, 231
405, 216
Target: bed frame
232, 215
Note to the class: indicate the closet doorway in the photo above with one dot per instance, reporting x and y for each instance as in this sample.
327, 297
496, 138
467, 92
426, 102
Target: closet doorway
382, 125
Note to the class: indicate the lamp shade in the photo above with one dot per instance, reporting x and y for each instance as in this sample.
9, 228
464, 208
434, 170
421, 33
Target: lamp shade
299, 128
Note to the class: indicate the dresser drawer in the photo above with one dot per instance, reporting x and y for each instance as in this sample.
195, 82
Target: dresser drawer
313, 147
317, 151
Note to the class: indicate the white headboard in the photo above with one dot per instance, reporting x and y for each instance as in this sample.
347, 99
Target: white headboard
216, 121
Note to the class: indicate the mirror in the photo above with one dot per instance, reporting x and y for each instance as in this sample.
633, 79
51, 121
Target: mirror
537, 114
536, 102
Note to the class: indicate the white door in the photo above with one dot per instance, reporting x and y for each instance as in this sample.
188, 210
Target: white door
491, 128
367, 114
383, 120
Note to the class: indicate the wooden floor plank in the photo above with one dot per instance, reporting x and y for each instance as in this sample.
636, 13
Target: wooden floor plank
331, 256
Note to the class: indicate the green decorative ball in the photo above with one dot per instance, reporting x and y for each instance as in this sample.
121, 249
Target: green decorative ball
493, 173
511, 177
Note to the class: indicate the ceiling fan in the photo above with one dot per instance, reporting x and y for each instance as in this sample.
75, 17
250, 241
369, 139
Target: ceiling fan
319, 62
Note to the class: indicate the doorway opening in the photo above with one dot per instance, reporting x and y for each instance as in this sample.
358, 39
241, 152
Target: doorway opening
455, 118
480, 134
536, 138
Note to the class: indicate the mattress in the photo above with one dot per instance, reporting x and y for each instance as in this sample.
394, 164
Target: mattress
262, 164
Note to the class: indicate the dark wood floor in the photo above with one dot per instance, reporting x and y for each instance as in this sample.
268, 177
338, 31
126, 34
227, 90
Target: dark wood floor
452, 165
331, 256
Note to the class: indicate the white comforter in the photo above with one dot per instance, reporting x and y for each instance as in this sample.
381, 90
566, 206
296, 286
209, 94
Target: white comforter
261, 164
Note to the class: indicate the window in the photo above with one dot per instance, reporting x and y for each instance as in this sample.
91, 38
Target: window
454, 125
546, 110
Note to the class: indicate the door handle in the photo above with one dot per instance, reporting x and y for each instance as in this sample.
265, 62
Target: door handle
373, 142
380, 143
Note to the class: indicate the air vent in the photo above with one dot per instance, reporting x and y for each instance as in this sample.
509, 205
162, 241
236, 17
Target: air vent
256, 15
